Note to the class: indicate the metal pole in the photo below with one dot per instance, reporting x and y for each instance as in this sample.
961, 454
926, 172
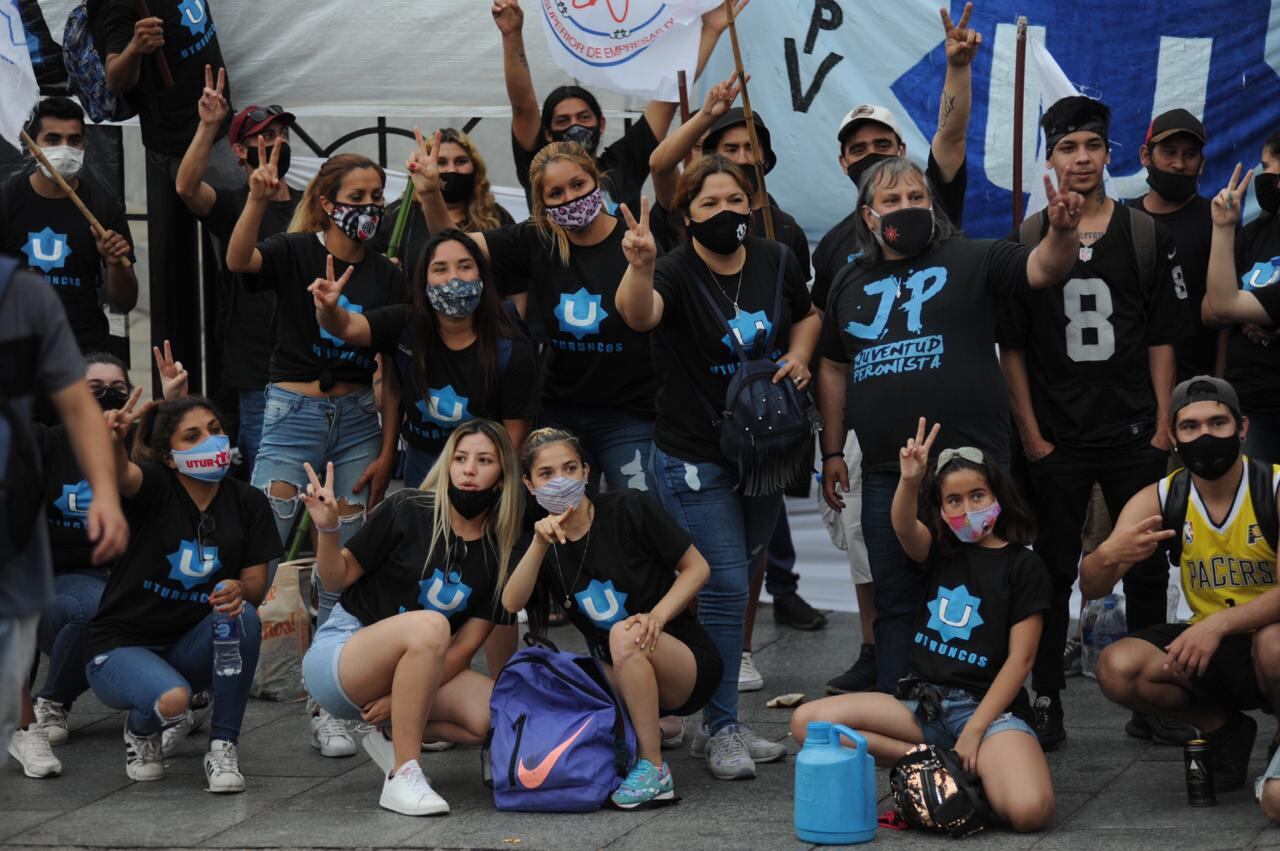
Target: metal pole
1019, 83
756, 153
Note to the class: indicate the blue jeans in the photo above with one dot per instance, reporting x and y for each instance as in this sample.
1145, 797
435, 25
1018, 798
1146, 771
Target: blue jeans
417, 463
134, 678
1263, 440
780, 576
957, 708
729, 530
616, 444
898, 590
316, 429
60, 635
252, 405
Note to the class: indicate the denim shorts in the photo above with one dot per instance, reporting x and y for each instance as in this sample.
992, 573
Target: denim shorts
957, 708
1272, 773
320, 665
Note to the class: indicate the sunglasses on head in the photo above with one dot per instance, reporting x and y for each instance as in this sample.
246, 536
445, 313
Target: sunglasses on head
261, 114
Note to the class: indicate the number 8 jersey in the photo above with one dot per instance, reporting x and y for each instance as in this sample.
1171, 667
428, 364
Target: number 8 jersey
1086, 339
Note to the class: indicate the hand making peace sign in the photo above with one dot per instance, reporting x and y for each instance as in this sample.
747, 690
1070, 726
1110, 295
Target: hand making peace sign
321, 504
1227, 204
120, 421
265, 179
423, 165
961, 43
326, 291
913, 459
721, 96
1064, 207
173, 378
213, 107
637, 242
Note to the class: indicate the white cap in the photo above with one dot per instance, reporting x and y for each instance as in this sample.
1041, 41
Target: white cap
864, 113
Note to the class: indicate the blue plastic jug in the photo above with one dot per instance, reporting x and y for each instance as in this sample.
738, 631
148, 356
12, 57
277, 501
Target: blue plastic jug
835, 787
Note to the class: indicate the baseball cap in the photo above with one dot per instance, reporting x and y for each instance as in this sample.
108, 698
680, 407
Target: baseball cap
254, 119
1203, 388
863, 113
1174, 121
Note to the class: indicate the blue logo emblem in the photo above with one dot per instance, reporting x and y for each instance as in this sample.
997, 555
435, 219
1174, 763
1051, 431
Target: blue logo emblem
748, 328
75, 499
189, 567
192, 15
1261, 275
444, 594
921, 286
345, 304
47, 250
580, 314
954, 613
444, 407
603, 603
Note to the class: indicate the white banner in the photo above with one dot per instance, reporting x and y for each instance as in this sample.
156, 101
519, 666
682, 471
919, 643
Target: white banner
18, 89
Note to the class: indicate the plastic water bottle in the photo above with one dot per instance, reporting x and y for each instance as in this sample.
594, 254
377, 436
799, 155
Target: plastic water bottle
1088, 642
835, 795
1174, 598
226, 644
1111, 624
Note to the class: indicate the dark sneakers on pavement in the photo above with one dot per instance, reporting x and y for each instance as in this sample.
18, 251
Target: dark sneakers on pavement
1229, 749
1050, 729
860, 677
791, 609
1160, 729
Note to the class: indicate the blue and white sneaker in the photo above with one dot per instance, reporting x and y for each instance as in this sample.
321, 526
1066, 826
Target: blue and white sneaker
644, 785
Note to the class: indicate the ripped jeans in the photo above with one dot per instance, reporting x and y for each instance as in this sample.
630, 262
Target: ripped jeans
729, 530
316, 430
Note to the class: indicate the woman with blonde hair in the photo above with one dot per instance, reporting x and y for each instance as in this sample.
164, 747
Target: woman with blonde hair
320, 406
598, 381
421, 591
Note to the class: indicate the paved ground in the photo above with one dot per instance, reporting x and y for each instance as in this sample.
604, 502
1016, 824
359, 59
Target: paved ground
1112, 791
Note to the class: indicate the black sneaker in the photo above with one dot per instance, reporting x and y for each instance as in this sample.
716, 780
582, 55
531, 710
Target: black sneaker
1229, 749
1049, 727
1160, 729
793, 610
861, 677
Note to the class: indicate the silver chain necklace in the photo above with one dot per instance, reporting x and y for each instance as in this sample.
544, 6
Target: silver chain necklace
720, 288
568, 589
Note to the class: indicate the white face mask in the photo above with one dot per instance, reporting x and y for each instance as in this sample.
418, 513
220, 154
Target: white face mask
65, 159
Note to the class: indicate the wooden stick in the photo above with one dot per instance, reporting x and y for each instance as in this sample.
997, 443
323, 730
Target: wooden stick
94, 224
683, 82
756, 154
1019, 83
162, 64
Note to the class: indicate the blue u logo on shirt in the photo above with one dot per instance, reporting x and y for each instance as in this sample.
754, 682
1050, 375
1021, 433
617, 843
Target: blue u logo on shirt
953, 614
444, 406
191, 14
47, 250
581, 313
1262, 274
345, 304
444, 594
748, 329
192, 565
922, 286
75, 500
602, 603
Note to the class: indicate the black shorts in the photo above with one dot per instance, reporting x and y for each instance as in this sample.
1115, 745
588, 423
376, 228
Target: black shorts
685, 628
1230, 681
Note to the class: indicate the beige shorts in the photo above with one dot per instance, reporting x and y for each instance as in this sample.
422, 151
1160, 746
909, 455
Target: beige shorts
845, 528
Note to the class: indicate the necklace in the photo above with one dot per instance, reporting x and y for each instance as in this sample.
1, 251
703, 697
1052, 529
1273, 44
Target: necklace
568, 589
723, 290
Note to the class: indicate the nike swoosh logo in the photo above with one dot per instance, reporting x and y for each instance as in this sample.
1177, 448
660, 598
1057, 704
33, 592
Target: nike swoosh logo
535, 778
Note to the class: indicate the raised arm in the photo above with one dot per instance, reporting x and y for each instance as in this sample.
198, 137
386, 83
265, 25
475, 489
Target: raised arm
637, 303
1224, 302
242, 251
335, 565
190, 186
1137, 534
913, 461
424, 170
664, 162
526, 121
962, 45
1055, 256
124, 68
326, 293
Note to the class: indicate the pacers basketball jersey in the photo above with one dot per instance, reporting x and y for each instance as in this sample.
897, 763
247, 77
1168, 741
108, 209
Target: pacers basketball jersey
1223, 565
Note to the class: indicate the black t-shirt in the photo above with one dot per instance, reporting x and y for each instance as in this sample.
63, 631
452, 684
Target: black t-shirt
594, 359
972, 600
919, 334
54, 239
1086, 341
246, 313
626, 567
160, 587
457, 387
839, 247
168, 116
691, 344
67, 498
303, 350
1191, 230
1253, 368
624, 165
459, 581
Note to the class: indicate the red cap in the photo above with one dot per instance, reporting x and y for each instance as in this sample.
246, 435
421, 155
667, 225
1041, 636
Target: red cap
254, 119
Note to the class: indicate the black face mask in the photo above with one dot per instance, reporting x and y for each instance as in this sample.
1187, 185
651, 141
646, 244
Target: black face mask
587, 137
471, 504
282, 167
856, 170
907, 231
1210, 457
457, 186
1170, 186
111, 398
723, 232
1268, 192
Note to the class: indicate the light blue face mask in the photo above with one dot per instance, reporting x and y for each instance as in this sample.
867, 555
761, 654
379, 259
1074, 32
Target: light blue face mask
560, 494
209, 460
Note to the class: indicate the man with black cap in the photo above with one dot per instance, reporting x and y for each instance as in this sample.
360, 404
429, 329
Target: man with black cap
1173, 153
572, 114
1227, 660
1090, 367
244, 313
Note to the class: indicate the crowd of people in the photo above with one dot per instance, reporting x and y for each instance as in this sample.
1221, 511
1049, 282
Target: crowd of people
553, 394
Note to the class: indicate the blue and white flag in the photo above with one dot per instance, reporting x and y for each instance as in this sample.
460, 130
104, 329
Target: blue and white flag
18, 89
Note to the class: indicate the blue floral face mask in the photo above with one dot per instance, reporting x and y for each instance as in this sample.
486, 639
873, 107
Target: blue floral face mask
456, 298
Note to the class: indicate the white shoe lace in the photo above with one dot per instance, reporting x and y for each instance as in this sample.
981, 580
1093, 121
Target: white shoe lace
747, 670
730, 747
416, 781
331, 728
37, 747
147, 748
223, 758
51, 713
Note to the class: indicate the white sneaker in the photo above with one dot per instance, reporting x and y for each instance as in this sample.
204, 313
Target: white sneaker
53, 717
222, 768
142, 758
436, 746
380, 750
407, 792
749, 678
330, 736
31, 748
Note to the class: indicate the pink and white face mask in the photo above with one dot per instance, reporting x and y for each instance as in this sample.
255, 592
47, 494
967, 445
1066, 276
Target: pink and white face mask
578, 213
973, 526
209, 460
